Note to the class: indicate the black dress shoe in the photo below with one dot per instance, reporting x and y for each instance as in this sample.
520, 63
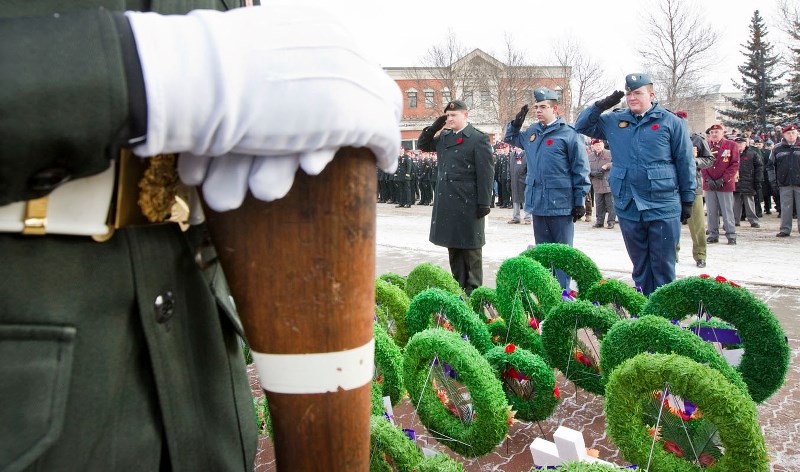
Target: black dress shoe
731, 242
782, 235
736, 224
712, 240
701, 263
755, 225
768, 212
597, 225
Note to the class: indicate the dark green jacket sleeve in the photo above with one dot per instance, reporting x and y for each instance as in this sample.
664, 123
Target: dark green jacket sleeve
63, 97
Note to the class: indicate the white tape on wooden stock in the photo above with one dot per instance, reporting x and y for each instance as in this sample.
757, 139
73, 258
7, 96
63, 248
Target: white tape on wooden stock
319, 372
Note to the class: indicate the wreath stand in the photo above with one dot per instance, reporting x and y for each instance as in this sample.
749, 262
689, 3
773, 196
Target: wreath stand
301, 270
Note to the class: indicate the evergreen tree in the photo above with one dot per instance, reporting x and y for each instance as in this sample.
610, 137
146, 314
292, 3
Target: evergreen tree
758, 105
790, 106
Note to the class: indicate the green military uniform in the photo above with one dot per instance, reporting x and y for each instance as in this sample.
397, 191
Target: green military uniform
120, 355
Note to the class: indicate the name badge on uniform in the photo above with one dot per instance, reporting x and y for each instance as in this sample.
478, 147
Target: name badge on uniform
533, 138
623, 124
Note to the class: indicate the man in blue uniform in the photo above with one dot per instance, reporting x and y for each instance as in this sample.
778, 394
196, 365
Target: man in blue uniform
653, 178
558, 172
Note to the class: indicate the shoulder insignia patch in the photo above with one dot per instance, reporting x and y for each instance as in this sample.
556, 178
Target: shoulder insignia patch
533, 137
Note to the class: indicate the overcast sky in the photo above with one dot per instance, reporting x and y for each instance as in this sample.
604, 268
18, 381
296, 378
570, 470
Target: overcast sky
399, 33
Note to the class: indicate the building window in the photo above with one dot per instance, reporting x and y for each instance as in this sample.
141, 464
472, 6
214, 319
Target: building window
429, 99
445, 97
469, 99
486, 98
412, 99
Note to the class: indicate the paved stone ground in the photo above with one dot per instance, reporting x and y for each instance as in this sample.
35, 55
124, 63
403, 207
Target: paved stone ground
762, 263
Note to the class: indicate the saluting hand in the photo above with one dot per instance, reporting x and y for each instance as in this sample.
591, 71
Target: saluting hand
609, 101
438, 124
523, 112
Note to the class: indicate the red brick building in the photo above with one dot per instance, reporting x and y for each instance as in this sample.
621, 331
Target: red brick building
494, 91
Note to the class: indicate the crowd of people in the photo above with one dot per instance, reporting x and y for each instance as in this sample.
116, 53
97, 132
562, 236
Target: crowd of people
552, 174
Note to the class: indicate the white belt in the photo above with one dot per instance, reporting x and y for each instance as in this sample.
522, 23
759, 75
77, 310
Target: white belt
79, 207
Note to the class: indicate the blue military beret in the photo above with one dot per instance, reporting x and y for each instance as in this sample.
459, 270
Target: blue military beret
636, 80
544, 93
455, 105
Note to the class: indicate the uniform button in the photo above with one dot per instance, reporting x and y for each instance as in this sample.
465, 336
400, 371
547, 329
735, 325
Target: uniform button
164, 307
48, 179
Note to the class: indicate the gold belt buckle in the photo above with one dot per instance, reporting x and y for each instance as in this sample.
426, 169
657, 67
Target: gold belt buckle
35, 220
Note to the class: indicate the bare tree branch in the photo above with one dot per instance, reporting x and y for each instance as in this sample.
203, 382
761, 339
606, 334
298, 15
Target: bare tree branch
677, 47
586, 77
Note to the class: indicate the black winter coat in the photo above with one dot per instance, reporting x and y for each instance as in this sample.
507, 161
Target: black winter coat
750, 171
464, 182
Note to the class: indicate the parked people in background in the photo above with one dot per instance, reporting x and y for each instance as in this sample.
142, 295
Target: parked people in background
518, 171
599, 167
719, 183
653, 177
785, 159
748, 184
697, 223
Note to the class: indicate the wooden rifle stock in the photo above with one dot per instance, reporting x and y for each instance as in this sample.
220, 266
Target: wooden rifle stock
301, 270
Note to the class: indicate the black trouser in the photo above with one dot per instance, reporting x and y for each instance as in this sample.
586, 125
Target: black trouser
467, 267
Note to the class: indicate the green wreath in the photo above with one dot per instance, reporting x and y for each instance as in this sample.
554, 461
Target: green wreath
578, 466
525, 279
439, 463
427, 275
516, 365
482, 297
629, 389
391, 307
385, 439
573, 262
394, 279
490, 423
612, 291
389, 365
376, 399
564, 350
765, 360
456, 312
650, 333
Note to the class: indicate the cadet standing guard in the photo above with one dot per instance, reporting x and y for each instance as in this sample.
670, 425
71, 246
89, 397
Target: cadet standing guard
558, 172
653, 177
463, 191
118, 337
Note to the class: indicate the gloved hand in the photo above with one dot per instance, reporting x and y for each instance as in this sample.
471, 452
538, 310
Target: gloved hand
609, 101
437, 125
523, 112
714, 184
483, 210
597, 173
262, 97
686, 211
577, 213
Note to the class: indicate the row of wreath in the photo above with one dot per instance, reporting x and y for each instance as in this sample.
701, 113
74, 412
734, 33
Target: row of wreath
530, 299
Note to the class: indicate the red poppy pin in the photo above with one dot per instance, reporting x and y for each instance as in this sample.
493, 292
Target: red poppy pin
654, 127
510, 348
459, 140
549, 142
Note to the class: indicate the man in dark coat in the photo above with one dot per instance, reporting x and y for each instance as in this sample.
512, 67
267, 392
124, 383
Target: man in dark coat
748, 184
463, 191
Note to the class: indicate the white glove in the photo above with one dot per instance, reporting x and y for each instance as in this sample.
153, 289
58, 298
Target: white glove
269, 89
